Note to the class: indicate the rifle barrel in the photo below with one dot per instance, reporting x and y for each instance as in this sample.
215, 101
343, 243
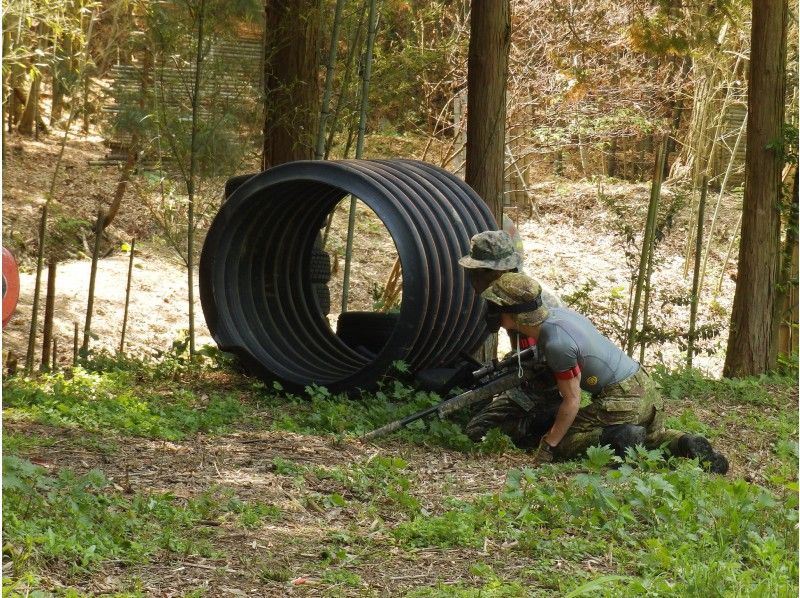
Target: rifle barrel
400, 423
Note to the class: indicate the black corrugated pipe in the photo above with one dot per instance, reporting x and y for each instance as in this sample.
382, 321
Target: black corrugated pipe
257, 293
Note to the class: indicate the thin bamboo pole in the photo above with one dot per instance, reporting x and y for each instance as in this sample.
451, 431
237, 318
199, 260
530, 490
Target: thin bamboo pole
75, 328
37, 288
49, 308
348, 73
43, 221
362, 127
319, 152
87, 328
190, 183
355, 42
728, 171
127, 299
652, 209
696, 278
736, 231
646, 308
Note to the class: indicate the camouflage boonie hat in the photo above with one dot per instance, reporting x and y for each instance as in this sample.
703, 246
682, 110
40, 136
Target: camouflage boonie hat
492, 249
515, 289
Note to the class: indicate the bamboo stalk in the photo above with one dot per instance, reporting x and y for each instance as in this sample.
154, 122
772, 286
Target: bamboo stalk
652, 209
43, 221
47, 336
192, 169
728, 171
87, 328
696, 277
319, 152
362, 128
736, 230
646, 308
75, 328
127, 299
355, 42
36, 290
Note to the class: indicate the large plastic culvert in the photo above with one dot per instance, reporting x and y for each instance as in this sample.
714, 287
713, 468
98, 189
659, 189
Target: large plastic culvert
256, 288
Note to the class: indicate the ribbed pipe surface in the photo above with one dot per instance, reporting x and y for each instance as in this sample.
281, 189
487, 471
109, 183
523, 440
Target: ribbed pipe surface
256, 290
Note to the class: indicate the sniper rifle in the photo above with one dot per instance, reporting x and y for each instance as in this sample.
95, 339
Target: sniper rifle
490, 380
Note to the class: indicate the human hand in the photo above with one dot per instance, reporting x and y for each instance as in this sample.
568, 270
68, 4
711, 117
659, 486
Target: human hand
544, 454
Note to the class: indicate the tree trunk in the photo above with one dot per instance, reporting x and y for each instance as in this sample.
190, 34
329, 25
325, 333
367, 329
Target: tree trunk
752, 334
26, 123
291, 90
487, 73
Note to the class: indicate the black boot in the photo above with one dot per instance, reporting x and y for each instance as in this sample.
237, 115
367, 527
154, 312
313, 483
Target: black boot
693, 446
621, 436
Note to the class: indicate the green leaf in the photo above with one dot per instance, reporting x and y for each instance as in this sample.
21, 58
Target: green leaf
590, 587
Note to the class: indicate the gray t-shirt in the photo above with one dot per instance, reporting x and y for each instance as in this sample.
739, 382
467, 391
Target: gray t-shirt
571, 345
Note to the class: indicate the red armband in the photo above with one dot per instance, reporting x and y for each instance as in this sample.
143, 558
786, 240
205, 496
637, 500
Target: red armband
573, 372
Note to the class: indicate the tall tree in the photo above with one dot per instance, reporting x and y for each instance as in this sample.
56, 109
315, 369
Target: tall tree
291, 90
487, 75
752, 333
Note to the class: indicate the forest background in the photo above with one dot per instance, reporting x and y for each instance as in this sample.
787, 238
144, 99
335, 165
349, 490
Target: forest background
128, 118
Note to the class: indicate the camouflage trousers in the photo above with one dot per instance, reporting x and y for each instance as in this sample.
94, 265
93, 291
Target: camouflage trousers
522, 415
635, 400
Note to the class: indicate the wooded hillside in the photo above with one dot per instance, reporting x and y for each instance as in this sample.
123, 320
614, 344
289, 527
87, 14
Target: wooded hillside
172, 421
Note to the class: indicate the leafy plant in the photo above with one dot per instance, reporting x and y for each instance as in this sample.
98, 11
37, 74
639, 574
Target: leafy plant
111, 401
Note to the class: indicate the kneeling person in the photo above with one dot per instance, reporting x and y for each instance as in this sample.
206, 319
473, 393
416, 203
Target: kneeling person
626, 409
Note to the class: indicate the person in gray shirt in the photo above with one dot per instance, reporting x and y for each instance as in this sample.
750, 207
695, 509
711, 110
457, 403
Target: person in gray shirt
526, 412
626, 407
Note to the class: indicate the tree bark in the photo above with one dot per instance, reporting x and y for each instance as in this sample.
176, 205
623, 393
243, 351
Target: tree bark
752, 334
31, 112
291, 90
487, 74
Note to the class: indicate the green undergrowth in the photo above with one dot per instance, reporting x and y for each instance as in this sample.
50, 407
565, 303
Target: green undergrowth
383, 482
597, 527
79, 521
322, 412
167, 399
658, 529
117, 401
772, 389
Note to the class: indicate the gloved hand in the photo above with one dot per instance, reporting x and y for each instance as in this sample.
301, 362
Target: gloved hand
544, 454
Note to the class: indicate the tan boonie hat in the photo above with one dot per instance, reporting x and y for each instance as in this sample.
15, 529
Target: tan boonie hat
521, 293
492, 249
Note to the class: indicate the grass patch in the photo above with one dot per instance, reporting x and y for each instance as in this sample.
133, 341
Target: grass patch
15, 442
79, 521
671, 527
773, 389
114, 401
379, 480
321, 412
